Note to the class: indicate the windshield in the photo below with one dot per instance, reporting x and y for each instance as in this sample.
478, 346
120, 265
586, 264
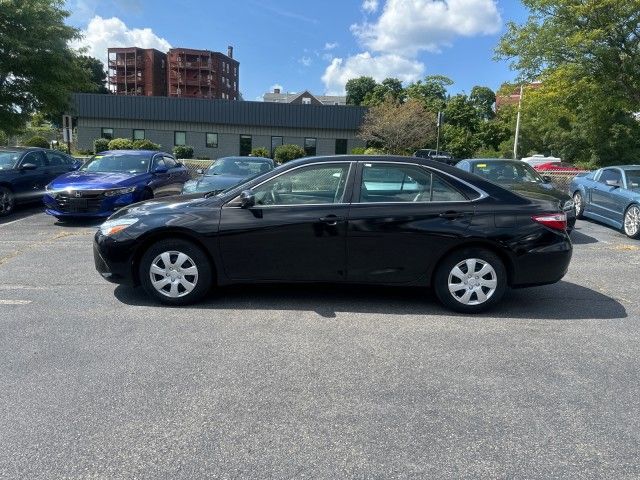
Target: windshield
633, 180
240, 187
8, 160
240, 167
118, 163
507, 172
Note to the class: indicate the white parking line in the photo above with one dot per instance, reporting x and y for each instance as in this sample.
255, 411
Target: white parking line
14, 221
15, 302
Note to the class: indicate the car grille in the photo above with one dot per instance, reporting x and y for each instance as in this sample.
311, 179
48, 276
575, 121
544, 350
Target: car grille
79, 201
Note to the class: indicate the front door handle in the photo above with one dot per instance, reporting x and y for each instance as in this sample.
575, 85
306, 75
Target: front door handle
451, 215
331, 219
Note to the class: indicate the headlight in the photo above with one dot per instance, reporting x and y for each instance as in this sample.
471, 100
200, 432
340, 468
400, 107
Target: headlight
111, 227
48, 188
119, 191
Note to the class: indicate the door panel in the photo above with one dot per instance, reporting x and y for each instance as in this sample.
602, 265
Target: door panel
605, 198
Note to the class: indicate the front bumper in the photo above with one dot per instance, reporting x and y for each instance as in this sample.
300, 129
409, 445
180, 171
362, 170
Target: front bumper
87, 205
113, 258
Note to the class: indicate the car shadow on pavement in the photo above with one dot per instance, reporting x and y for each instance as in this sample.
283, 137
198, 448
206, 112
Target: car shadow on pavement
79, 222
22, 211
579, 238
562, 301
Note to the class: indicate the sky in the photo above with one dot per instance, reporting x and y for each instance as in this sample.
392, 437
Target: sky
299, 45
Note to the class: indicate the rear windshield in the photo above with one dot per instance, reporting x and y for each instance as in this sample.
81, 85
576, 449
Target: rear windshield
241, 167
118, 163
506, 172
8, 160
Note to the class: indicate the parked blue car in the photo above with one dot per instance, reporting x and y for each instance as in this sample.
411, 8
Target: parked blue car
228, 172
610, 195
112, 180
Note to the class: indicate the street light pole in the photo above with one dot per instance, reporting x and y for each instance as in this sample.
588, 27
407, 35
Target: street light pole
438, 137
515, 143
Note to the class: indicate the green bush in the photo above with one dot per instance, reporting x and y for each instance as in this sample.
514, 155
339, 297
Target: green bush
260, 152
183, 151
4, 139
285, 153
358, 151
37, 141
145, 144
100, 145
374, 151
120, 144
61, 147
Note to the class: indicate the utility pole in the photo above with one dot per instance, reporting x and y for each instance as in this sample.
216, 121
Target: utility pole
515, 143
438, 137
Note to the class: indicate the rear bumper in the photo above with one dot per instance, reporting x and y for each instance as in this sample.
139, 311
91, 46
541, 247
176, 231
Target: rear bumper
542, 266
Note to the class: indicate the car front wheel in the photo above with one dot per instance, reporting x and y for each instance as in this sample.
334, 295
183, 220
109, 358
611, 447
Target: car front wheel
632, 222
175, 272
471, 280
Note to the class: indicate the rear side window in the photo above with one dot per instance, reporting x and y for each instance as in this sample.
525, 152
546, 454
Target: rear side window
397, 183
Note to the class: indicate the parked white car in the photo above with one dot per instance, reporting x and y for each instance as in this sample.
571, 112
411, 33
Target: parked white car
538, 159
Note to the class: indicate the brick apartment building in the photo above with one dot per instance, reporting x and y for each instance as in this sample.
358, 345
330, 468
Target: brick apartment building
181, 72
514, 97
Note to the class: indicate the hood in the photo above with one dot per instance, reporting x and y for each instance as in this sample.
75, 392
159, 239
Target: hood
96, 180
210, 183
175, 204
538, 191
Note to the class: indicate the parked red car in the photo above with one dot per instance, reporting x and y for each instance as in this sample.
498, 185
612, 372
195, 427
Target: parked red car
560, 167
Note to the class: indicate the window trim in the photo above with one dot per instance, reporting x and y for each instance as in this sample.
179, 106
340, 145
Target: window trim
206, 140
175, 132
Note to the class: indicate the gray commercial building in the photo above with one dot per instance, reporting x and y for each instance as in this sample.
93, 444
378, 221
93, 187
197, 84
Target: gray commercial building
217, 128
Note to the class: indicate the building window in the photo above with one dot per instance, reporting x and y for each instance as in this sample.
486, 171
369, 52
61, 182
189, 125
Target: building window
138, 134
212, 140
245, 145
306, 100
275, 143
341, 146
107, 133
179, 138
310, 146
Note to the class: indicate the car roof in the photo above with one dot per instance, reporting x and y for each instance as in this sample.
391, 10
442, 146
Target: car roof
477, 160
246, 157
133, 152
21, 149
625, 167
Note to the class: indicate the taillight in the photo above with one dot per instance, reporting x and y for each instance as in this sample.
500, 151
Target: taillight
557, 221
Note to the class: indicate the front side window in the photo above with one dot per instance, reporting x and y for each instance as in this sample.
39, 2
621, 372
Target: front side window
610, 174
179, 138
107, 133
312, 185
386, 183
117, 163
8, 159
159, 162
138, 134
169, 162
212, 140
35, 158
56, 159
310, 146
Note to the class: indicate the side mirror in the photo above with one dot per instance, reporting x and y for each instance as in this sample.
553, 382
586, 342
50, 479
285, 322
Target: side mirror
200, 171
546, 178
160, 170
28, 166
247, 199
613, 183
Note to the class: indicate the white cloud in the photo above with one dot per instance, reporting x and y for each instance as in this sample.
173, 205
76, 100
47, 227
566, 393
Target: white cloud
377, 66
330, 45
370, 6
102, 33
327, 56
407, 27
304, 60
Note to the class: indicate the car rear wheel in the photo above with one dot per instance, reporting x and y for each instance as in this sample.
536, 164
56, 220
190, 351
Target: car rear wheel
471, 280
632, 222
578, 204
7, 201
175, 272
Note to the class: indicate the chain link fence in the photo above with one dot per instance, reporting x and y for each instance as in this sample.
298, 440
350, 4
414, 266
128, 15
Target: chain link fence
561, 180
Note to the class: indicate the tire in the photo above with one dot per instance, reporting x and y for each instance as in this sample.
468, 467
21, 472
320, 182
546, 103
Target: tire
7, 201
578, 202
492, 285
171, 259
146, 195
631, 222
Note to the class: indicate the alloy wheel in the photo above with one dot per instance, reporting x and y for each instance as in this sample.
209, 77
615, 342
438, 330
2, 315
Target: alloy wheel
6, 201
173, 274
577, 203
632, 221
472, 281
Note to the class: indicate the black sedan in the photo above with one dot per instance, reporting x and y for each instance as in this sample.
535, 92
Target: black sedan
25, 171
227, 172
356, 219
523, 179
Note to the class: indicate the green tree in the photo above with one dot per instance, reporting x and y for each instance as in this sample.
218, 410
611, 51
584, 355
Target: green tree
183, 151
399, 128
100, 145
38, 69
357, 89
483, 99
390, 88
121, 144
432, 91
37, 141
97, 74
288, 152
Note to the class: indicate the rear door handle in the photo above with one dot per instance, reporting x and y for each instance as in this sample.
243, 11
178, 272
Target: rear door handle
451, 215
331, 219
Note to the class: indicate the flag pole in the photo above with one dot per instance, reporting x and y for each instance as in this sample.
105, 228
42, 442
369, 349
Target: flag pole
515, 143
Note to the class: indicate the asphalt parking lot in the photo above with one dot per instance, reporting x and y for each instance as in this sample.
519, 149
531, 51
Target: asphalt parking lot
313, 382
